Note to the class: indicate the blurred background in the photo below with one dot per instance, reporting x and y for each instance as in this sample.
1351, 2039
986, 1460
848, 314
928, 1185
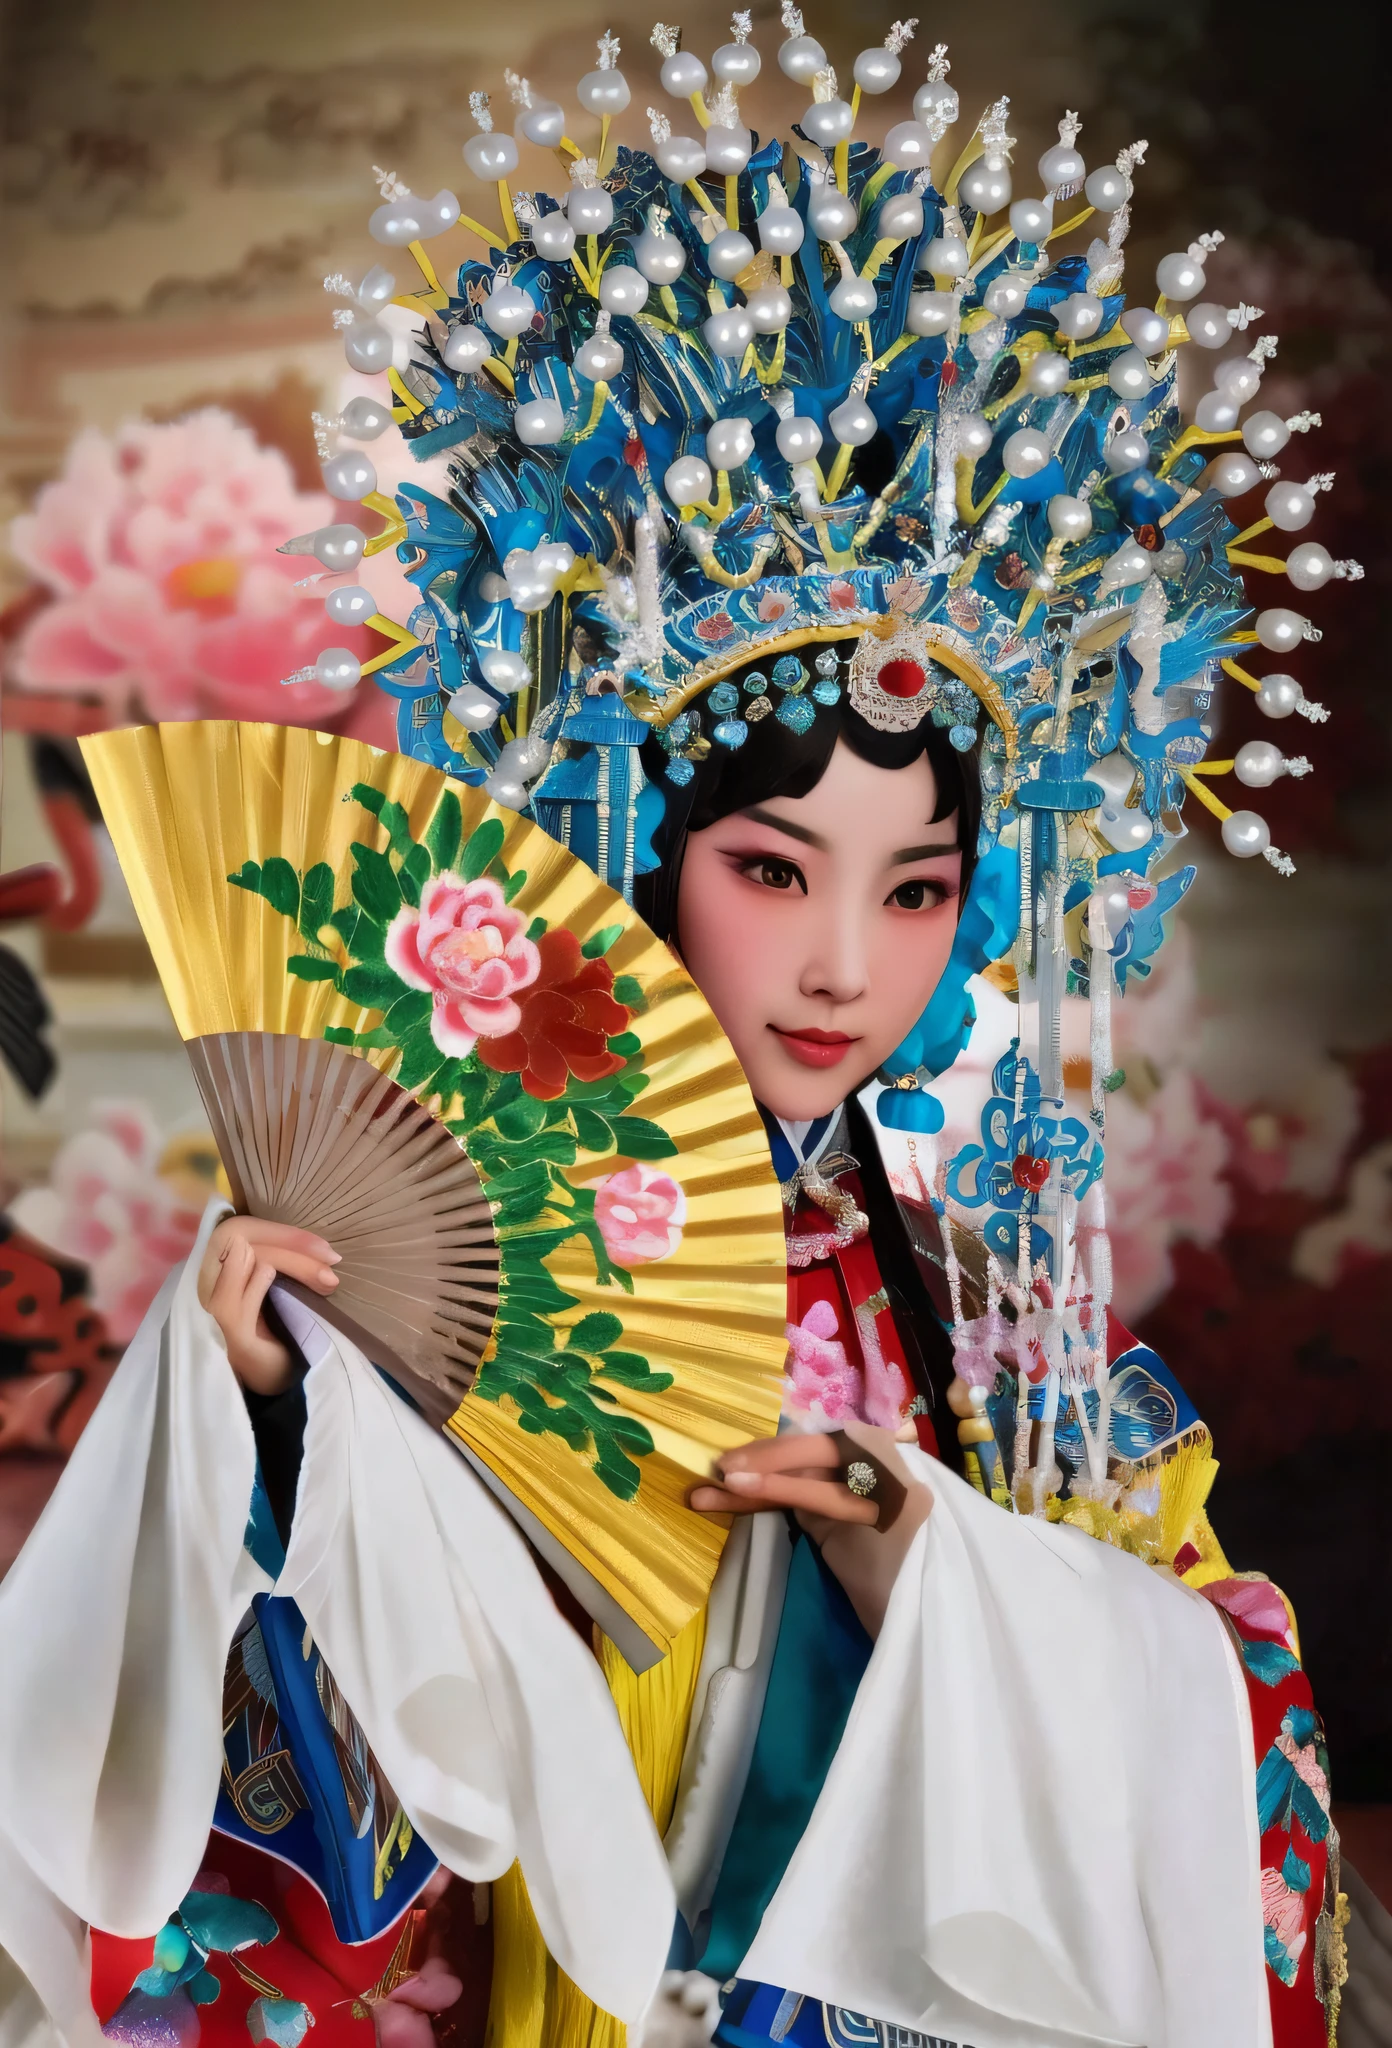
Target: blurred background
179, 180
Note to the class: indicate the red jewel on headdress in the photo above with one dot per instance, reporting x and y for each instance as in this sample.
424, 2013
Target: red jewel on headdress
1030, 1173
633, 452
1150, 538
901, 678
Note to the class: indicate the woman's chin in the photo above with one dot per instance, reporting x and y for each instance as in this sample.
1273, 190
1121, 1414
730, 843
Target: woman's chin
801, 1094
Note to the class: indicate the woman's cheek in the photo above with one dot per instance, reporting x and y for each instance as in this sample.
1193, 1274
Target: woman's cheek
910, 957
724, 944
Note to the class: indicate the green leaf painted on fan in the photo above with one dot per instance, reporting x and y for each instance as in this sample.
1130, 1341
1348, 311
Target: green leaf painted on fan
375, 886
443, 833
628, 990
371, 799
316, 900
596, 1332
638, 1138
415, 873
248, 876
515, 883
483, 845
632, 1370
420, 1058
377, 1040
409, 1012
592, 1130
537, 928
339, 1034
626, 1044
311, 967
397, 827
280, 885
598, 943
376, 988
522, 1118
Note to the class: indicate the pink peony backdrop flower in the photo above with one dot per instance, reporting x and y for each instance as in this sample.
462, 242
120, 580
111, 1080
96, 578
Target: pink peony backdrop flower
169, 600
107, 1205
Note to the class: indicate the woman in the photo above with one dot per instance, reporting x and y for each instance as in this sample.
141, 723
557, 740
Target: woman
813, 882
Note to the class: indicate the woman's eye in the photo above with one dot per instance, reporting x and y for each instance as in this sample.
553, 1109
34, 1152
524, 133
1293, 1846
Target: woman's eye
776, 874
920, 895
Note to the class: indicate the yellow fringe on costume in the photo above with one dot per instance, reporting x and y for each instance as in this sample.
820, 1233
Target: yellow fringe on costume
533, 2004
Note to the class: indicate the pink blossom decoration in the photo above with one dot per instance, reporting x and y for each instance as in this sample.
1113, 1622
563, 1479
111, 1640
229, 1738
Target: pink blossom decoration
771, 606
841, 595
641, 1214
470, 953
821, 1384
106, 1205
169, 599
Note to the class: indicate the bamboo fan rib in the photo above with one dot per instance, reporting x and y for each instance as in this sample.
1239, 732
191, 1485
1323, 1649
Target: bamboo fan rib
313, 1136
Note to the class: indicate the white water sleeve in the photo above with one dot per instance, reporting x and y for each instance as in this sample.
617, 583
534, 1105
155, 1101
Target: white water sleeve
1043, 1802
488, 1714
485, 1710
115, 1622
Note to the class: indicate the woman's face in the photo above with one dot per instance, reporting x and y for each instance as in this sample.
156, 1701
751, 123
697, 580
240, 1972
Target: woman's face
817, 927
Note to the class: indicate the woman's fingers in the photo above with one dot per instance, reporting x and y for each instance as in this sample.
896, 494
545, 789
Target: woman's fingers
789, 1453
297, 1253
273, 1237
255, 1354
747, 1492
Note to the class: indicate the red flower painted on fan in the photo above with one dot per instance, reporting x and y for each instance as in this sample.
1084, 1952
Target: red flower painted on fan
841, 595
719, 626
565, 1019
469, 952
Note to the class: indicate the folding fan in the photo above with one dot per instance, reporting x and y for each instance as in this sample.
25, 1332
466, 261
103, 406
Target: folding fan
423, 1029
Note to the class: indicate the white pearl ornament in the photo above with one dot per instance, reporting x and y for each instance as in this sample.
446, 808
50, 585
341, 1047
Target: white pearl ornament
687, 481
1245, 834
930, 312
509, 310
729, 443
1026, 453
799, 439
467, 349
622, 289
853, 423
349, 476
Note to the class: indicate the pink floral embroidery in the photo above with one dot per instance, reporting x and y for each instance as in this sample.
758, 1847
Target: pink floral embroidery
640, 1214
467, 949
1306, 1764
1284, 1912
719, 626
821, 1381
841, 595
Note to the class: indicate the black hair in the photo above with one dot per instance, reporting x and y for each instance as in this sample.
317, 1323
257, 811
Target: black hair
776, 760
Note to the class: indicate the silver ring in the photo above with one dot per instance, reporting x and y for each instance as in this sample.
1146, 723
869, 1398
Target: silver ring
862, 1479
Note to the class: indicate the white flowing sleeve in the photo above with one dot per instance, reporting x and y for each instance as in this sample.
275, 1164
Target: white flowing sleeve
488, 1715
1042, 1808
115, 1623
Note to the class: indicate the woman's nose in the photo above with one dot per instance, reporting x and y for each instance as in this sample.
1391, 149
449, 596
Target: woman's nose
836, 965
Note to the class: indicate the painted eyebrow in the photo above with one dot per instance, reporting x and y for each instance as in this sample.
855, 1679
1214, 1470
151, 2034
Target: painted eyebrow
756, 816
908, 853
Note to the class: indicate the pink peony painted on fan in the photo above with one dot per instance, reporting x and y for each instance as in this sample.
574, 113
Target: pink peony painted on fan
167, 596
469, 951
641, 1214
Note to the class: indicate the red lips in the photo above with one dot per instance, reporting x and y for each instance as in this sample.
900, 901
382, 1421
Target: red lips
813, 1048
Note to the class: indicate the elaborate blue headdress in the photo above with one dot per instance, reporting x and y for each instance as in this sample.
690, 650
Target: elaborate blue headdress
735, 402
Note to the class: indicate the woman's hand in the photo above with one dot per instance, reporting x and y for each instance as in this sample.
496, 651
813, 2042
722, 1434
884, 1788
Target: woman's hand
242, 1259
862, 1538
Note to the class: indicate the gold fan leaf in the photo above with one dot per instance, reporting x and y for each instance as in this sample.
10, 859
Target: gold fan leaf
422, 1027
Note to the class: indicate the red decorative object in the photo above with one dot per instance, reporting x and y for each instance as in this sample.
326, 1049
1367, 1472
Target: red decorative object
902, 678
568, 1015
55, 1352
1029, 1172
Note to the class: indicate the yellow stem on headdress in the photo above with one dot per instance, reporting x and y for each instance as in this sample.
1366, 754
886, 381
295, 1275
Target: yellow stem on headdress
1240, 675
401, 642
1024, 351
702, 197
590, 283
669, 300
597, 404
510, 353
1250, 533
698, 108
1067, 227
394, 527
502, 371
993, 242
875, 185
573, 148
408, 402
773, 374
1270, 565
785, 272
434, 296
731, 202
1194, 437
879, 256
895, 348
966, 511
839, 471
842, 158
1205, 795
509, 217
975, 148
